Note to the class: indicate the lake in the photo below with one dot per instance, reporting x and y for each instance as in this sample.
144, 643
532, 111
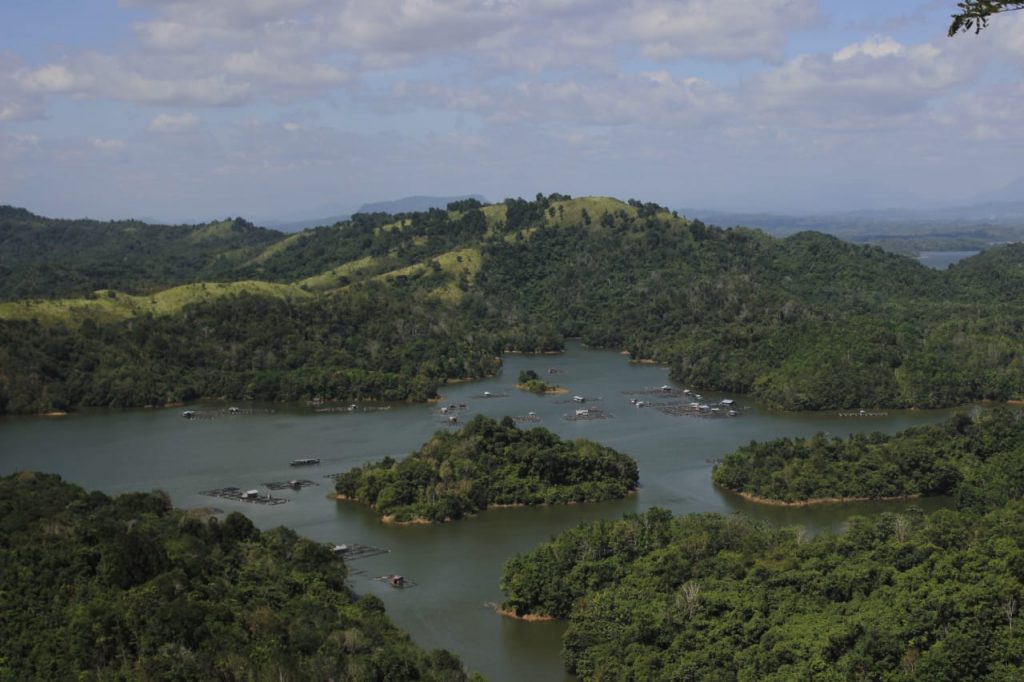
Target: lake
940, 260
456, 566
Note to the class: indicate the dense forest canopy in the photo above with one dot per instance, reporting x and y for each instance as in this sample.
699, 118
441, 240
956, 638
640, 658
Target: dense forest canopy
806, 322
100, 588
901, 596
979, 461
489, 463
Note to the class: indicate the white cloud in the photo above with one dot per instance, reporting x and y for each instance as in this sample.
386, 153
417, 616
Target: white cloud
873, 84
174, 123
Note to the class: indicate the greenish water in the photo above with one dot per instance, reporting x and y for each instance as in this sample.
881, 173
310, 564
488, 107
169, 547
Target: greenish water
456, 566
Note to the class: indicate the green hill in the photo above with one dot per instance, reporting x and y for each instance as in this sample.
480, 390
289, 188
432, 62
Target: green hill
50, 258
488, 463
806, 322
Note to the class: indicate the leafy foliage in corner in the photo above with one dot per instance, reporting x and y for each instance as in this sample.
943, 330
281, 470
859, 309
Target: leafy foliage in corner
96, 588
978, 460
489, 463
974, 14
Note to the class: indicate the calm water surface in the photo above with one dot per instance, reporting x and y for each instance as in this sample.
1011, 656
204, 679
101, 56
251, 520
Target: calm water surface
456, 566
940, 260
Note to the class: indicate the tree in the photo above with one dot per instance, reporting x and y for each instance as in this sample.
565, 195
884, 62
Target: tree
974, 14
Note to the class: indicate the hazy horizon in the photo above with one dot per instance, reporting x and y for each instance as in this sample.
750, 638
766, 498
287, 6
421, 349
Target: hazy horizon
183, 111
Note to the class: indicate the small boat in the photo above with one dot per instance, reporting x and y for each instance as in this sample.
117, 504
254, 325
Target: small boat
304, 461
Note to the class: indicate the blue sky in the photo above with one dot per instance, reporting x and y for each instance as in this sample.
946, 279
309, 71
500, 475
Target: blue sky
191, 110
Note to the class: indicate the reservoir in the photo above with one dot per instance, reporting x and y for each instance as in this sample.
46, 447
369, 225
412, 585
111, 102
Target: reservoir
940, 260
456, 566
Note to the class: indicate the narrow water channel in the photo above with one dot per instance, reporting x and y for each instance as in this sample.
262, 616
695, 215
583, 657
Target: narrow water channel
456, 566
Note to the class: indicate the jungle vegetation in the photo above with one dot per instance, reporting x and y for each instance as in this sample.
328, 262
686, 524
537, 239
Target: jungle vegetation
101, 588
489, 463
979, 461
899, 596
808, 322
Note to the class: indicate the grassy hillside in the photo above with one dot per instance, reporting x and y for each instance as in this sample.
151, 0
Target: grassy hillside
806, 322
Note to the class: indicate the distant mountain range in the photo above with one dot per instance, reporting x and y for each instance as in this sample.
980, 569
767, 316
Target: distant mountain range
852, 224
415, 203
403, 205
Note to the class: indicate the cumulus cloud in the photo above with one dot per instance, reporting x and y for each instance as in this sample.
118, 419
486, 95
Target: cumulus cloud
875, 83
174, 123
195, 52
103, 76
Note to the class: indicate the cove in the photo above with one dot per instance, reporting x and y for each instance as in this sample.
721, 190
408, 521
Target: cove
456, 566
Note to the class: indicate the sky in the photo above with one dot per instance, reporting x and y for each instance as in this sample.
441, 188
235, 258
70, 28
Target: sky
196, 110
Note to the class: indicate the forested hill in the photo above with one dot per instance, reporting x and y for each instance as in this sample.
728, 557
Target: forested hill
127, 588
806, 322
978, 461
46, 258
900, 596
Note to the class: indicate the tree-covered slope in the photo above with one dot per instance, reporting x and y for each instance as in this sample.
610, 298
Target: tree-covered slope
370, 344
50, 258
978, 460
489, 463
96, 588
897, 597
806, 322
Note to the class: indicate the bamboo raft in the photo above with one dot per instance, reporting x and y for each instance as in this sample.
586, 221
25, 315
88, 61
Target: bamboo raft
239, 495
863, 413
531, 418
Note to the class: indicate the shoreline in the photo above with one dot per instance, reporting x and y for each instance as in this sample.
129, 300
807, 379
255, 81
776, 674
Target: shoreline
420, 521
527, 618
751, 497
553, 390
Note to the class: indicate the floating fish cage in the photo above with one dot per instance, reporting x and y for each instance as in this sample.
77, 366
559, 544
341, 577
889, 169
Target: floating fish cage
239, 495
701, 411
294, 484
397, 581
588, 414
206, 415
358, 551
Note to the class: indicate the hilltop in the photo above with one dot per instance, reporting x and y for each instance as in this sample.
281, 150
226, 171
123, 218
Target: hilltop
394, 305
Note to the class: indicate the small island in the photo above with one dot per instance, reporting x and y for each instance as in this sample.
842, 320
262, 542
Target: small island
938, 459
488, 464
529, 380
